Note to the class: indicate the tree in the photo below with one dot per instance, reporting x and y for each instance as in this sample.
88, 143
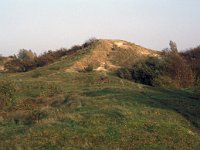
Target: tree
173, 46
179, 70
193, 59
26, 54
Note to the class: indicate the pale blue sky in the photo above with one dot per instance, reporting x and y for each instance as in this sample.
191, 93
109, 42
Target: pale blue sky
41, 25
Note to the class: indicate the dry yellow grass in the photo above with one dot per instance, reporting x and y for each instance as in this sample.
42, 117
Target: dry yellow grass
109, 55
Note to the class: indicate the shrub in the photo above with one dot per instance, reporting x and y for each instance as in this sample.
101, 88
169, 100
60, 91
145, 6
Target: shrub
89, 68
13, 65
26, 54
171, 70
17, 65
192, 57
27, 60
179, 70
147, 70
75, 48
125, 73
89, 42
7, 92
164, 81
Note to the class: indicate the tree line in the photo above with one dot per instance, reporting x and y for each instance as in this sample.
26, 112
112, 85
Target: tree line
27, 60
171, 69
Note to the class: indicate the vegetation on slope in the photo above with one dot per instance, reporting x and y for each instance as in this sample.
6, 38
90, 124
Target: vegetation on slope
110, 55
170, 69
27, 60
59, 110
49, 108
193, 58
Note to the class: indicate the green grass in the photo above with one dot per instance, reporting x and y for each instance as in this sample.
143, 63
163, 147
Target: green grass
57, 110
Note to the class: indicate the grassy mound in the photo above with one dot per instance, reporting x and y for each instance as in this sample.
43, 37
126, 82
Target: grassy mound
55, 109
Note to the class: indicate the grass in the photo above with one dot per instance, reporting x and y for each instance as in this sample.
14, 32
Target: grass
57, 110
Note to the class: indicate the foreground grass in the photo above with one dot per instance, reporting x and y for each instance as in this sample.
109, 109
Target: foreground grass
58, 110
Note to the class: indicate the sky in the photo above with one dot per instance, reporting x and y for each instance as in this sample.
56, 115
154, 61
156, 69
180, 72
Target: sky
42, 25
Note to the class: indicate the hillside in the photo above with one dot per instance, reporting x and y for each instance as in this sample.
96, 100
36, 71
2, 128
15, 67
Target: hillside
109, 55
61, 107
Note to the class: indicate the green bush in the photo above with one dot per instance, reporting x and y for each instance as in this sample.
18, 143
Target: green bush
89, 68
147, 70
124, 73
169, 71
144, 71
7, 93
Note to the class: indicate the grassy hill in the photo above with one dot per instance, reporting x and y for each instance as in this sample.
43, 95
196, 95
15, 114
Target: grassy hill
109, 55
57, 107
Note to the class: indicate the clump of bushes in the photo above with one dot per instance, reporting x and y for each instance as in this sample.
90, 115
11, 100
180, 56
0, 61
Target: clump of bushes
24, 63
89, 42
27, 60
144, 71
171, 70
125, 73
7, 93
179, 70
26, 54
19, 65
147, 70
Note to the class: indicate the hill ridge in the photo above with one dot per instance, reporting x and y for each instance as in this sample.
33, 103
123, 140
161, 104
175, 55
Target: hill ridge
109, 55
